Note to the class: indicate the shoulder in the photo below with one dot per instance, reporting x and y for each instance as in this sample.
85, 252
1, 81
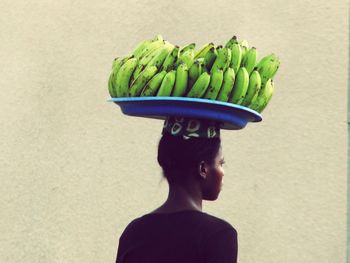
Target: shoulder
203, 224
129, 227
215, 224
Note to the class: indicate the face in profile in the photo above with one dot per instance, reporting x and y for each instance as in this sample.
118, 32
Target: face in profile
212, 184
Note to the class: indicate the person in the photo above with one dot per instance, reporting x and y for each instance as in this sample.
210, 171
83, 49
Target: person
191, 157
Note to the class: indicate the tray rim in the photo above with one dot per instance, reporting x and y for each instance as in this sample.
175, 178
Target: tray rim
229, 106
201, 100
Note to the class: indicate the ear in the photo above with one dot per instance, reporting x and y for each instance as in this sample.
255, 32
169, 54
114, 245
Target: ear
202, 170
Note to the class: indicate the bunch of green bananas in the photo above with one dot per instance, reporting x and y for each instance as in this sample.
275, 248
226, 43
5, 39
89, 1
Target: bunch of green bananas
229, 73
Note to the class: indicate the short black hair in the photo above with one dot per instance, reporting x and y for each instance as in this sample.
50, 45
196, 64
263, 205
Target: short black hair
180, 157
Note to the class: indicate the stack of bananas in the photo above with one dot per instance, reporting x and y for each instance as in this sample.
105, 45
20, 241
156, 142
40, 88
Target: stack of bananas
229, 73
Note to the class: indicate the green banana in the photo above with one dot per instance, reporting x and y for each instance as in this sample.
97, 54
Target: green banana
143, 62
169, 62
245, 46
117, 63
141, 48
147, 48
275, 68
227, 85
187, 57
223, 59
138, 84
253, 88
195, 71
264, 59
181, 81
152, 86
187, 47
268, 97
215, 84
158, 59
236, 56
268, 67
203, 50
249, 59
111, 86
263, 97
240, 87
200, 86
209, 58
167, 84
123, 77
229, 44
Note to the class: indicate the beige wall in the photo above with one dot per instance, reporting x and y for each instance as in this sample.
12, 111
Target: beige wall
75, 170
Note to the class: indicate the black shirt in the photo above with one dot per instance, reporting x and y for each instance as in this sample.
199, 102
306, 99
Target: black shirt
181, 237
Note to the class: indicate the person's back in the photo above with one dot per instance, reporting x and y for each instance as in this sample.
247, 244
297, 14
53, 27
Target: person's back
191, 158
187, 236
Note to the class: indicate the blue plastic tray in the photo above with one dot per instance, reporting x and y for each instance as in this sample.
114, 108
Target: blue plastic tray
231, 116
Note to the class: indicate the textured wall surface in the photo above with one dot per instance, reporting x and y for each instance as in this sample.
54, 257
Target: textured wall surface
75, 170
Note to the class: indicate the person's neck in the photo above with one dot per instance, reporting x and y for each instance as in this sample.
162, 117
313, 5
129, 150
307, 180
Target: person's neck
183, 197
